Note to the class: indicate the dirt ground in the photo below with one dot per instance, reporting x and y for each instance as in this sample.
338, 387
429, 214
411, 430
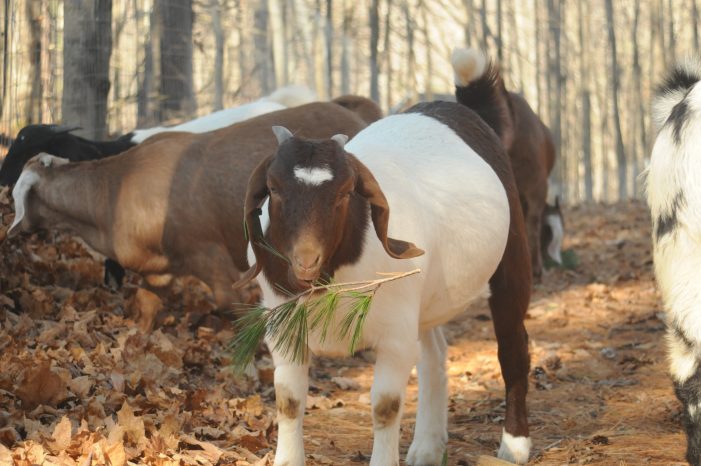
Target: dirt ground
80, 384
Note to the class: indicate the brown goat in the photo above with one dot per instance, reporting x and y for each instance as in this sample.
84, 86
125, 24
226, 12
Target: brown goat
532, 154
171, 205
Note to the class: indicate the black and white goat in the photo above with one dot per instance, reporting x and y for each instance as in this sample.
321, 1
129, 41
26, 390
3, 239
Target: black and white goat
674, 198
437, 175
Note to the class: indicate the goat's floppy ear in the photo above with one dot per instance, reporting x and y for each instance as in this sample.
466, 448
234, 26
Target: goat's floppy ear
20, 193
366, 185
256, 192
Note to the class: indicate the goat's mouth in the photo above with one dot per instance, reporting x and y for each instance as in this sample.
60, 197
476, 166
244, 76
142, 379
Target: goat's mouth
304, 279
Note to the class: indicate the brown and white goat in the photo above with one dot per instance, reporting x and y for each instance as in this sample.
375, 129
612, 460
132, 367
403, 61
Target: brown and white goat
530, 147
436, 175
168, 206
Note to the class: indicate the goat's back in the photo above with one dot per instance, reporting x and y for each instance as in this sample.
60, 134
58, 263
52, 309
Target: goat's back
445, 195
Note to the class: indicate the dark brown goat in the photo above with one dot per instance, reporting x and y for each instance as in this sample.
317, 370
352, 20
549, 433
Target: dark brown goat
532, 154
171, 205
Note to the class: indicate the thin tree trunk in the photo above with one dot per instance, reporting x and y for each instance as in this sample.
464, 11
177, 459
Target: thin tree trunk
695, 24
555, 83
485, 26
329, 48
410, 25
216, 12
33, 109
177, 96
374, 17
586, 103
146, 115
538, 58
388, 55
641, 132
87, 39
345, 45
671, 32
428, 92
500, 35
5, 55
614, 76
277, 34
262, 48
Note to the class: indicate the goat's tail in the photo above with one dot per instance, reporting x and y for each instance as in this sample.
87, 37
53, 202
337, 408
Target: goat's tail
675, 86
479, 86
292, 96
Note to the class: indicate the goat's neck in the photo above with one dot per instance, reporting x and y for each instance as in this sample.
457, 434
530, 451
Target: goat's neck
77, 201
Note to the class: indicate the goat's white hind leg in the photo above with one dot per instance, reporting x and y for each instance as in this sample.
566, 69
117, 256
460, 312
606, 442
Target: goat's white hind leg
392, 369
291, 384
686, 373
431, 431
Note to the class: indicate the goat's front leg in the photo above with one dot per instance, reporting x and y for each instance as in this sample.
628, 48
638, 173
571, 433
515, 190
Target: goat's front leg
291, 384
392, 369
431, 431
686, 373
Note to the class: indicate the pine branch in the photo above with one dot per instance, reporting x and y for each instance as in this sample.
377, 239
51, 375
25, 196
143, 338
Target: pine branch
290, 323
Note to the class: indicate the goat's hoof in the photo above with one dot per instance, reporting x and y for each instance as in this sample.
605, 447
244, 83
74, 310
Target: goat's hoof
426, 452
514, 449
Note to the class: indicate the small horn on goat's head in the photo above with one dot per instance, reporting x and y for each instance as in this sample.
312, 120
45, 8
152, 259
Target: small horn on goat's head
341, 139
282, 134
60, 129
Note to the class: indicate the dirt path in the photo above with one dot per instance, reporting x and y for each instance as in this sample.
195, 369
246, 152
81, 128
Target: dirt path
600, 393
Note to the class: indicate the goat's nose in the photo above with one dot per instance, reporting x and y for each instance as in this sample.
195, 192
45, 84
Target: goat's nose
307, 260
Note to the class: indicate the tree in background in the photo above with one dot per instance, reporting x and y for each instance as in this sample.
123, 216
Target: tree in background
176, 90
87, 39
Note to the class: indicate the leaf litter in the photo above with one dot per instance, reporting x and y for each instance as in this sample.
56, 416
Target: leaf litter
83, 383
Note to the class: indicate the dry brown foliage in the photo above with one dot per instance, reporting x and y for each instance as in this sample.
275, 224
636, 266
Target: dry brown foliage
81, 384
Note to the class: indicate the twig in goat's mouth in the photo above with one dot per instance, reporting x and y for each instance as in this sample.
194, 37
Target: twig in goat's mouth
290, 323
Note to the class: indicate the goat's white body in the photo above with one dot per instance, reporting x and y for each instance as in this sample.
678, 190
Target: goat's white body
675, 169
281, 99
448, 201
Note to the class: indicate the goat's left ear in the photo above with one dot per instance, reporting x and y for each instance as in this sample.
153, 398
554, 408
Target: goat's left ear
367, 186
256, 192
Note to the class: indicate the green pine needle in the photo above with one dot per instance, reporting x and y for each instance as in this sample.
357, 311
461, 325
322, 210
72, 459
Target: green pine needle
290, 323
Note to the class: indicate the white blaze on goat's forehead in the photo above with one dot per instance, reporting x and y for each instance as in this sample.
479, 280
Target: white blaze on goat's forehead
313, 176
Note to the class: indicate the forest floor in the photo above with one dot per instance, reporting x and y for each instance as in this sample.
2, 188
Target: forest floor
80, 384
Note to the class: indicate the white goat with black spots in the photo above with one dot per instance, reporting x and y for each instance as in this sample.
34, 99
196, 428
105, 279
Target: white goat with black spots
674, 197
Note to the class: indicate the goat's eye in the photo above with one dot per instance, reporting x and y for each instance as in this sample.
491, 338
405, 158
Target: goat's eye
21, 138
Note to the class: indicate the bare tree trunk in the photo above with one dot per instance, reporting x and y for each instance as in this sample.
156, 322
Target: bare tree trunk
345, 44
639, 112
33, 109
538, 58
388, 55
485, 26
87, 39
277, 34
216, 12
262, 48
614, 75
428, 92
410, 25
147, 116
177, 96
586, 103
670, 31
695, 24
500, 35
5, 55
555, 83
374, 41
329, 48
470, 27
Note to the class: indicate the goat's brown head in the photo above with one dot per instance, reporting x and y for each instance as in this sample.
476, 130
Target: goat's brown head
318, 207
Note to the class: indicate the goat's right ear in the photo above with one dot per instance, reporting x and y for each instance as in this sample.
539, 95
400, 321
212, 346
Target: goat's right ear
367, 186
256, 192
